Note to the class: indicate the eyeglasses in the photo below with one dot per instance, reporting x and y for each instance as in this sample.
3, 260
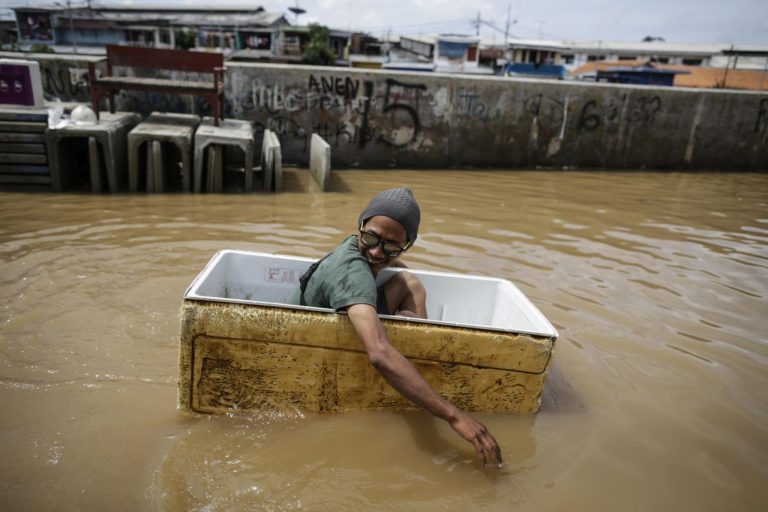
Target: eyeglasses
372, 240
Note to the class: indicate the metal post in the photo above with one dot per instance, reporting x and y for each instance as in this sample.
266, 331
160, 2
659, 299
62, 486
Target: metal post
71, 26
72, 34
68, 8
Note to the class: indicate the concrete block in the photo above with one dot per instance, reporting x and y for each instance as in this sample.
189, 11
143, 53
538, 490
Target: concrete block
272, 162
320, 161
265, 162
109, 135
277, 163
171, 128
230, 132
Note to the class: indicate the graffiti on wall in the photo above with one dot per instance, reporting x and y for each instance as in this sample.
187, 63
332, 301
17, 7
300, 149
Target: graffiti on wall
642, 110
323, 93
66, 83
401, 106
346, 87
350, 111
471, 105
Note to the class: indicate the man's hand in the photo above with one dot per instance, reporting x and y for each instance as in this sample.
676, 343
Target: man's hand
402, 376
477, 434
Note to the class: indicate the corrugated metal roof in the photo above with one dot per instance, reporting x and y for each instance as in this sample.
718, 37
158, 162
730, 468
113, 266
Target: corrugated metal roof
636, 47
185, 18
176, 16
131, 8
419, 39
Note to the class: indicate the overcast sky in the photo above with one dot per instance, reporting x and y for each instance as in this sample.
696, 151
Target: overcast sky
695, 21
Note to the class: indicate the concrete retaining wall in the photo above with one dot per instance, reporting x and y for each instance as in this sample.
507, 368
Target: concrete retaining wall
382, 119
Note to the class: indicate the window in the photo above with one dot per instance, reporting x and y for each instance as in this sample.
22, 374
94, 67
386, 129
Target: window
692, 62
472, 53
257, 41
139, 37
627, 57
34, 26
592, 58
292, 45
662, 60
568, 59
165, 36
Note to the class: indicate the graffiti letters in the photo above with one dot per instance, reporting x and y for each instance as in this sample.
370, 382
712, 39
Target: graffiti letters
642, 111
78, 81
286, 129
645, 109
331, 94
589, 119
351, 111
345, 87
405, 116
54, 82
66, 83
546, 109
275, 98
471, 106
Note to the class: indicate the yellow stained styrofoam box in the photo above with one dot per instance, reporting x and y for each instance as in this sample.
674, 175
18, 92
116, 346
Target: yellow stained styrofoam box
485, 347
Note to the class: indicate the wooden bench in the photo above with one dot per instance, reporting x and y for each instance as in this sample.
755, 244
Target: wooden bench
158, 59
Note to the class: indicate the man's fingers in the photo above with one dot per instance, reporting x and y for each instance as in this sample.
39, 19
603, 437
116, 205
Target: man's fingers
493, 448
479, 449
483, 441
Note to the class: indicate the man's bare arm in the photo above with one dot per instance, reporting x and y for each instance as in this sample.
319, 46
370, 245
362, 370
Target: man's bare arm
402, 376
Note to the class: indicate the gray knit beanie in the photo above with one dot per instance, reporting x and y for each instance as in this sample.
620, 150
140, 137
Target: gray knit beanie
398, 204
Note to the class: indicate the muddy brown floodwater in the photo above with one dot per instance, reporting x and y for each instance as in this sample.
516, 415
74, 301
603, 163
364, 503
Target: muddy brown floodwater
657, 397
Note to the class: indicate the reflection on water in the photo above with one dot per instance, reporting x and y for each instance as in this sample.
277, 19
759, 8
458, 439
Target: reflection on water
657, 284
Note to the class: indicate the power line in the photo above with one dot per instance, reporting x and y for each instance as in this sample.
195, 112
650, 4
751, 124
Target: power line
462, 20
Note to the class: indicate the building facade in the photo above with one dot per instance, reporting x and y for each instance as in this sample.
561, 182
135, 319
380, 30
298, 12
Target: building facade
88, 30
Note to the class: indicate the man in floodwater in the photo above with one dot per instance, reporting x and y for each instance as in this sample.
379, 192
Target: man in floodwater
345, 279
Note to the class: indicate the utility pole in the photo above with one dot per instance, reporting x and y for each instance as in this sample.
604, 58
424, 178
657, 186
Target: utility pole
68, 8
477, 24
506, 31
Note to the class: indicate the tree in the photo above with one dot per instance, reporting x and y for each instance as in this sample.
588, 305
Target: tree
318, 50
650, 39
185, 39
41, 48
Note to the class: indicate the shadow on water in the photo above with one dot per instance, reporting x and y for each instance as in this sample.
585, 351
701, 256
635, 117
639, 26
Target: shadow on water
339, 183
559, 395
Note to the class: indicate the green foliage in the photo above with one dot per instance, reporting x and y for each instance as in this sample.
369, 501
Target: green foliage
41, 48
185, 39
318, 50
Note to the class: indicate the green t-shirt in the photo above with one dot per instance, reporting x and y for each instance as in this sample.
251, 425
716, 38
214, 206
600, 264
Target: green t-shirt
342, 279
